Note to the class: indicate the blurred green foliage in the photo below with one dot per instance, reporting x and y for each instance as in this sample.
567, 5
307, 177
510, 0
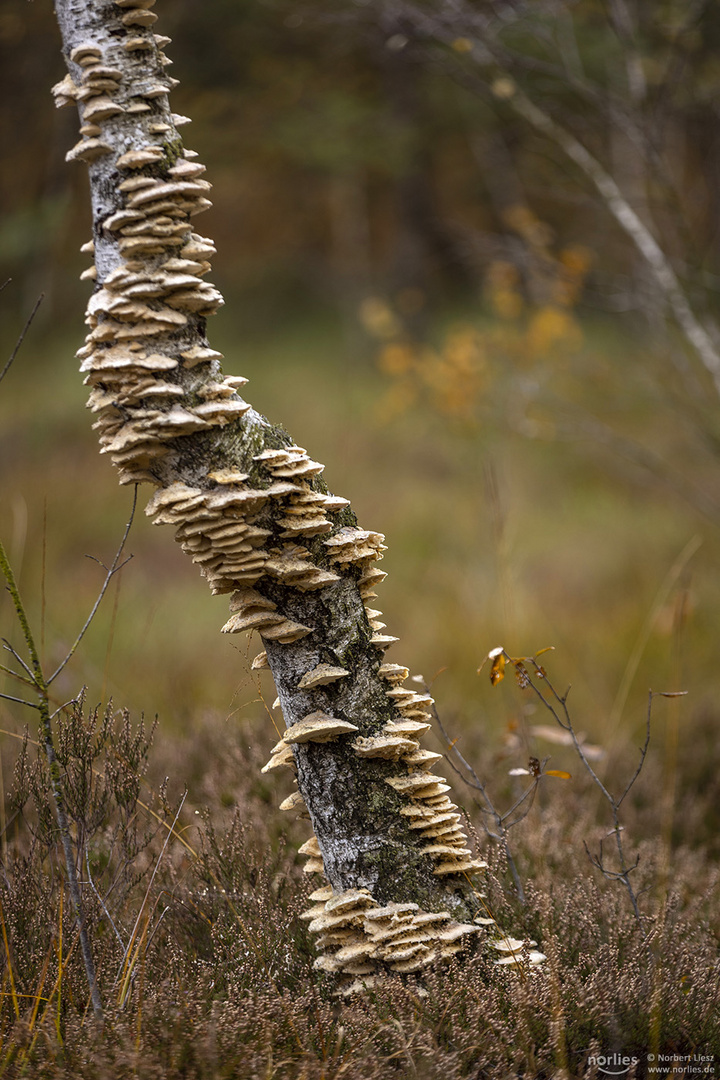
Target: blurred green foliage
358, 157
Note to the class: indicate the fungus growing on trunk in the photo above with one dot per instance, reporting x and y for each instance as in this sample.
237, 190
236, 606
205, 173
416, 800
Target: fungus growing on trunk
253, 513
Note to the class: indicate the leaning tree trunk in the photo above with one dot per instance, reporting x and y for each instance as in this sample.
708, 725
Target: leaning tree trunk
251, 510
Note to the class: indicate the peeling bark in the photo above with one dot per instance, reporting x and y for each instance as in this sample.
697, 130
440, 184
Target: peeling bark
253, 512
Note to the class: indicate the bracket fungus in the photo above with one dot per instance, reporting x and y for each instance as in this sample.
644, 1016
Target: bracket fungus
322, 675
317, 727
282, 755
252, 511
362, 937
295, 802
389, 747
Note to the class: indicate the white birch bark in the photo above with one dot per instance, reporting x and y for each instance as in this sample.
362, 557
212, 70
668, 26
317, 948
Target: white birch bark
251, 509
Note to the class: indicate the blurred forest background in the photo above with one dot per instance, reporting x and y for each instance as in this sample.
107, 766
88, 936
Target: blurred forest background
442, 304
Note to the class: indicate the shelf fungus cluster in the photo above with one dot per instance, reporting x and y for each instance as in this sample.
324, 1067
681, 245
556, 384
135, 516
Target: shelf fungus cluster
363, 940
238, 534
151, 381
358, 937
430, 812
248, 506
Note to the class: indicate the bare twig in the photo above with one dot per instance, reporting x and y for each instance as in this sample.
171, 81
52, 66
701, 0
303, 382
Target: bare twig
16, 675
100, 900
489, 53
114, 568
19, 701
24, 331
531, 675
24, 666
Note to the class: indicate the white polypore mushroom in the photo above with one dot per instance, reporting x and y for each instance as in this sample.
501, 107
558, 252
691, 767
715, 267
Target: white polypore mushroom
389, 747
459, 866
280, 757
100, 107
417, 784
322, 675
88, 150
287, 632
317, 727
426, 818
294, 802
311, 847
383, 641
405, 727
393, 673
422, 759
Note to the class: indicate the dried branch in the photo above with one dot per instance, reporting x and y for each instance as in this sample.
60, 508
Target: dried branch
115, 567
658, 263
532, 675
24, 331
490, 53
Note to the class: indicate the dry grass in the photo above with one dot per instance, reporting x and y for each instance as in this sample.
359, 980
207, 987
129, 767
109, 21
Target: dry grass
205, 970
206, 973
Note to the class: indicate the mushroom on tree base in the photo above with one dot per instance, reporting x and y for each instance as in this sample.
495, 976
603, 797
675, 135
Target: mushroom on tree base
250, 507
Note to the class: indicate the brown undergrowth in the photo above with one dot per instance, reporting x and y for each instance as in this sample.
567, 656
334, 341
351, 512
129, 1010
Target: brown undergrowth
192, 888
192, 885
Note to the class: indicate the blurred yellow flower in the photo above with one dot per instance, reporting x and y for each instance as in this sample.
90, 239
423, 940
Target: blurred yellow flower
552, 327
396, 359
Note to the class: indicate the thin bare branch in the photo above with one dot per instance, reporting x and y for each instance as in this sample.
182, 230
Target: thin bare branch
56, 784
72, 701
643, 752
564, 719
114, 568
16, 675
100, 900
529, 792
19, 701
474, 781
24, 331
133, 935
16, 656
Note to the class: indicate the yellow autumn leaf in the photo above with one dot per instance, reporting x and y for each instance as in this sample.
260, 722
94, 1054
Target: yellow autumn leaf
497, 671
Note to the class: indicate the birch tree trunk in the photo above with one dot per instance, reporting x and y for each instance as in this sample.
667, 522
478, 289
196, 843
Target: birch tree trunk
252, 511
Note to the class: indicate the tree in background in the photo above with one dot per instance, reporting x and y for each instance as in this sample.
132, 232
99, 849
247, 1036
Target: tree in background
610, 91
601, 112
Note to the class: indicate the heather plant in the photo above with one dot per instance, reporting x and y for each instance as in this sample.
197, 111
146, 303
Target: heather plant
192, 903
192, 885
